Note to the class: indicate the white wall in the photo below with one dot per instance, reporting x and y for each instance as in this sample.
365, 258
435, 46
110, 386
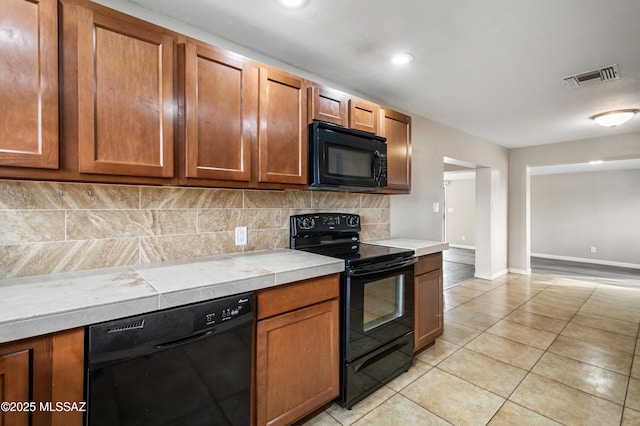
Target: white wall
570, 213
611, 148
412, 214
461, 212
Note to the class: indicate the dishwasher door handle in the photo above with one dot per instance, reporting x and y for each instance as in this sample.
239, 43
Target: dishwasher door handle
185, 340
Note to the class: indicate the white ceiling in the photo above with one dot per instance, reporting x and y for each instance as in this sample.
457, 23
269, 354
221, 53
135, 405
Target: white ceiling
491, 68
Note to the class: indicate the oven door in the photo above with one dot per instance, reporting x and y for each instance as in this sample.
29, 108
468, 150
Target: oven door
379, 306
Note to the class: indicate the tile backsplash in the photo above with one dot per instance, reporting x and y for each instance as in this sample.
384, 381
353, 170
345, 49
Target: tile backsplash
48, 227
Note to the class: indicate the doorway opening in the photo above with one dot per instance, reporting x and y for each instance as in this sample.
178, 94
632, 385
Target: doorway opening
459, 225
580, 219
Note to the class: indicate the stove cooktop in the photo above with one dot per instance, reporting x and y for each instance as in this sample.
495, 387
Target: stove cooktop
337, 235
361, 253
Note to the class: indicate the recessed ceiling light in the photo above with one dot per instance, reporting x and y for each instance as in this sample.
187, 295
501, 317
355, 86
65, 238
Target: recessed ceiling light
402, 58
614, 118
292, 4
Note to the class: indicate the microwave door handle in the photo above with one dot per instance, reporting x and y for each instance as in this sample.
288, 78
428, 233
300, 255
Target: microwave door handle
378, 173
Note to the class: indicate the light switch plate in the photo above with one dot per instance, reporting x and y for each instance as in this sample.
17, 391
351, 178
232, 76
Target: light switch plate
436, 207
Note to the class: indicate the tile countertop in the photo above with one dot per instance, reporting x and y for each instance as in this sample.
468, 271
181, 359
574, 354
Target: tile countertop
420, 247
33, 306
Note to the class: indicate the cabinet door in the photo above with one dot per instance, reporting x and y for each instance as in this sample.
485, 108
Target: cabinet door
282, 134
428, 309
29, 83
67, 377
363, 115
43, 370
126, 96
14, 386
396, 128
297, 363
328, 105
26, 364
221, 106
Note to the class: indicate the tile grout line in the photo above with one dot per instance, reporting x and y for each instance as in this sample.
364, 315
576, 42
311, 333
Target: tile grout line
486, 331
483, 331
626, 393
530, 371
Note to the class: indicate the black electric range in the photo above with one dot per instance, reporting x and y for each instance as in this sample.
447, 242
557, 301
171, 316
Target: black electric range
376, 299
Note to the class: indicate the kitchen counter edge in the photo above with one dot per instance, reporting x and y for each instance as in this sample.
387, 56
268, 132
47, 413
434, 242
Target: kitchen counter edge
420, 247
44, 304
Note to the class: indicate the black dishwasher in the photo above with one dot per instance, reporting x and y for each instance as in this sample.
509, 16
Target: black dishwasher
189, 365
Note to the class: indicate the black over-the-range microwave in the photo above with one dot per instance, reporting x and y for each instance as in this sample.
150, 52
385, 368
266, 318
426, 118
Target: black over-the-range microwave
344, 159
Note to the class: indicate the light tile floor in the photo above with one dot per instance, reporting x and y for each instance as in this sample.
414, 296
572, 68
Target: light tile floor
519, 350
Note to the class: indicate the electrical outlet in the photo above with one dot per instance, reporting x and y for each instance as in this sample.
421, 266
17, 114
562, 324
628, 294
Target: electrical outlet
593, 249
463, 238
241, 235
436, 207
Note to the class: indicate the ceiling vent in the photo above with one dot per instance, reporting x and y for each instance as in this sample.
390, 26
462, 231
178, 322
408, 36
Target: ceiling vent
611, 72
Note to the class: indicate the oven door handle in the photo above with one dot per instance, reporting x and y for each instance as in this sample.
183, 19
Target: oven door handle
384, 267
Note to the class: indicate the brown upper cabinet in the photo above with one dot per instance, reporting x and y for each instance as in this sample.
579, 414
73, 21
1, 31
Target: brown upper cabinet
282, 129
363, 115
328, 105
29, 84
220, 112
244, 123
396, 127
337, 107
125, 96
93, 94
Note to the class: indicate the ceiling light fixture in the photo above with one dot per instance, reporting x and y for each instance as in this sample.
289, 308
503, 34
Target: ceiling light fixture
595, 162
614, 118
292, 4
402, 58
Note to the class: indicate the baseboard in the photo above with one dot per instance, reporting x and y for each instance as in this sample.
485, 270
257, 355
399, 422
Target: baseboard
583, 260
460, 246
520, 271
492, 276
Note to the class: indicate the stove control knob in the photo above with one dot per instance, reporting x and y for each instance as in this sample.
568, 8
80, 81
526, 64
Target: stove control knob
353, 221
306, 223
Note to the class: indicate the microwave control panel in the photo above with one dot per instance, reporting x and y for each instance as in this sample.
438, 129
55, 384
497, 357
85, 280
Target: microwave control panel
383, 169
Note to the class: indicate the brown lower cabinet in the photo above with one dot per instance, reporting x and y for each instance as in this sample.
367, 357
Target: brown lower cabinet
429, 306
297, 349
49, 368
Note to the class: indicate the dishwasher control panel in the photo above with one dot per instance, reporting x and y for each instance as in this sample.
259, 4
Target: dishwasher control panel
219, 311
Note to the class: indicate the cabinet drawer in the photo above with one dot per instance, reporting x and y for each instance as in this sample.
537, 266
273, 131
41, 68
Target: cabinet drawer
285, 298
428, 263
